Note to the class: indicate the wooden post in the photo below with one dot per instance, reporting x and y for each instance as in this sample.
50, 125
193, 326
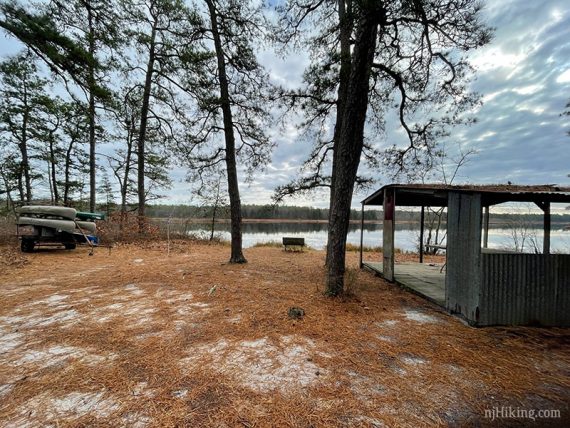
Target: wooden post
422, 234
545, 207
388, 234
486, 228
361, 233
546, 240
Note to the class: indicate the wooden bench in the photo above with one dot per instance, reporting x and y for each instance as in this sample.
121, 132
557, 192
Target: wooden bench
293, 244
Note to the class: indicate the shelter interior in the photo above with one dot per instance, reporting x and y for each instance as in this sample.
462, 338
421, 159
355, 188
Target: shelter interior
477, 282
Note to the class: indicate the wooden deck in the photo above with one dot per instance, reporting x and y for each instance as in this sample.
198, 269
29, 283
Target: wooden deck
422, 279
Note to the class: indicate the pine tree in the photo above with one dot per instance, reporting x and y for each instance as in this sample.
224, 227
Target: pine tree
22, 104
161, 33
76, 39
231, 91
368, 54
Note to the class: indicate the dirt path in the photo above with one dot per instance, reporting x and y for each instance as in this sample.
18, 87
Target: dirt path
139, 338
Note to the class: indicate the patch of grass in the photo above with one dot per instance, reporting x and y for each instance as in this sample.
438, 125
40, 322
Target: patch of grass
365, 248
204, 238
277, 244
272, 244
8, 230
378, 249
350, 281
10, 255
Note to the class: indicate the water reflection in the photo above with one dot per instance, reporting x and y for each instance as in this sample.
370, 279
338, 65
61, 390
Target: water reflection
315, 234
288, 227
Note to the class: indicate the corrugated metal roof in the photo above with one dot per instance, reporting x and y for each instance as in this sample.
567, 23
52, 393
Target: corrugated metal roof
435, 194
484, 187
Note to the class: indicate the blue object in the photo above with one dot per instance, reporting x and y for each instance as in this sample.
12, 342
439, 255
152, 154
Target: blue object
93, 239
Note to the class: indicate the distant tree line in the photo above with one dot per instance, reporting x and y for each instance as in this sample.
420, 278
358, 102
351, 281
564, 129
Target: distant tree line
272, 212
262, 212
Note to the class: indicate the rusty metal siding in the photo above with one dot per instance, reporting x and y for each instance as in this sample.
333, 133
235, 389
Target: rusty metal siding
525, 289
563, 289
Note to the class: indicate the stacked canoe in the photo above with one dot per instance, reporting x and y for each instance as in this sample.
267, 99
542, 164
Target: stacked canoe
61, 219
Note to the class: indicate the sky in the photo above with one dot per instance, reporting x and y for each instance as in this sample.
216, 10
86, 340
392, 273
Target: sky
523, 76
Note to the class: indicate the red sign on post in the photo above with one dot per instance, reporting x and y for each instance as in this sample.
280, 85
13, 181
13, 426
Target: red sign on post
389, 204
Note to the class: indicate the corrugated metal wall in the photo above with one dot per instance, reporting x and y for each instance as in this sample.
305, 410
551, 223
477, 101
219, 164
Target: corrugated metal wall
524, 289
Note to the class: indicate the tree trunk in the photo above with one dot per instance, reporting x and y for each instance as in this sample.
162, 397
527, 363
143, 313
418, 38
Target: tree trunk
346, 22
350, 145
21, 185
67, 172
25, 165
9, 200
125, 180
215, 209
25, 171
53, 172
143, 127
213, 221
231, 164
50, 182
91, 112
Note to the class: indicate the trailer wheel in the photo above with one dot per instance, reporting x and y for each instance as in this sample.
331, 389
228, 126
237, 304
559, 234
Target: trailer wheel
27, 245
70, 246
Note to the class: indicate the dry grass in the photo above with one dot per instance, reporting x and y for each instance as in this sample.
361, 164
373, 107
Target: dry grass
138, 338
365, 248
11, 257
271, 244
7, 230
370, 249
123, 228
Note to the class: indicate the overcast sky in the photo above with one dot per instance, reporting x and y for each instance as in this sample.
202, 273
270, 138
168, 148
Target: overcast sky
524, 77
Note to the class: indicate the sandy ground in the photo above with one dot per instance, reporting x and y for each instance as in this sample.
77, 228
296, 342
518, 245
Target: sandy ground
137, 337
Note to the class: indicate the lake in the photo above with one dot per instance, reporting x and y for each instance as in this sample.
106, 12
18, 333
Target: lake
407, 236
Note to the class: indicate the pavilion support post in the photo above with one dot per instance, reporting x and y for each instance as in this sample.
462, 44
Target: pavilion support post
361, 233
388, 234
422, 217
486, 227
545, 207
546, 240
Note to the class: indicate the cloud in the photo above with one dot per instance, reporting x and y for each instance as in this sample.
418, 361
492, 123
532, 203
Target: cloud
520, 134
523, 76
564, 77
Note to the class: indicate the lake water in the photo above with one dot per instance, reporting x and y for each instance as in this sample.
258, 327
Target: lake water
406, 236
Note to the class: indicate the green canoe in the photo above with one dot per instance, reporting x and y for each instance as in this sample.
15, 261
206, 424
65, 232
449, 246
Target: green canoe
90, 216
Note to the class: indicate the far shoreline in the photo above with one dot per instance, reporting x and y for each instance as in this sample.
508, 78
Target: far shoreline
198, 220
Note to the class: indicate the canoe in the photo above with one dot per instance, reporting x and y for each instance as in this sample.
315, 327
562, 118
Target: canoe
90, 216
64, 225
48, 211
87, 226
